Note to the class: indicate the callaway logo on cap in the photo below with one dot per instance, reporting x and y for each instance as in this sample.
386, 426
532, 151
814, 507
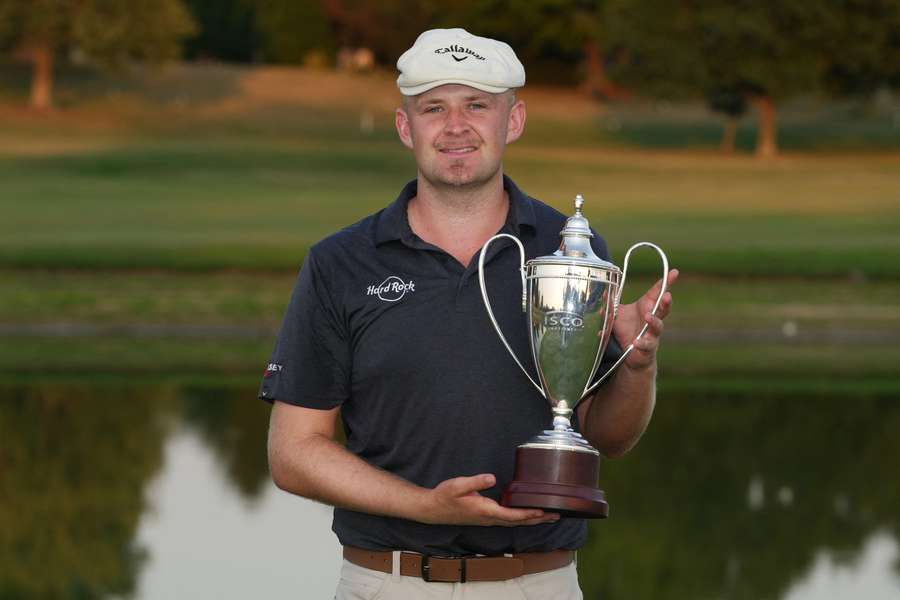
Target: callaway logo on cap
442, 56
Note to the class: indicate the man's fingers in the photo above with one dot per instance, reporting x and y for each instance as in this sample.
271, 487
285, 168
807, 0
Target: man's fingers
548, 518
520, 516
461, 495
655, 325
650, 340
494, 510
462, 486
526, 523
665, 305
647, 345
671, 278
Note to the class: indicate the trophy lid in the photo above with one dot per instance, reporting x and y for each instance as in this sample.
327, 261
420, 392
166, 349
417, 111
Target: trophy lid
575, 247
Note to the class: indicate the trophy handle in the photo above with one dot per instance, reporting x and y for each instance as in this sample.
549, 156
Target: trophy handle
487, 302
665, 262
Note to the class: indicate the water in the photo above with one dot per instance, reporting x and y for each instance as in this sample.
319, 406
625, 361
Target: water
160, 490
209, 542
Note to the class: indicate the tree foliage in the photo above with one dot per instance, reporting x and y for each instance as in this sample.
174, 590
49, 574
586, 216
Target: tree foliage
226, 30
863, 47
387, 27
106, 32
550, 36
291, 30
762, 51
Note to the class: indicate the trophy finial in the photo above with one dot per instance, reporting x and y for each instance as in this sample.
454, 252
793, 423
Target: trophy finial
576, 235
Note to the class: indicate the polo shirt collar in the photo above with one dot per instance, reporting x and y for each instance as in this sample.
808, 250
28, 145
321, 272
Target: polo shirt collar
394, 224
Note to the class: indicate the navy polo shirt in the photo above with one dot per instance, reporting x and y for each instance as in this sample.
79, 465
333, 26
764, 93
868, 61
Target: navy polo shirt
393, 330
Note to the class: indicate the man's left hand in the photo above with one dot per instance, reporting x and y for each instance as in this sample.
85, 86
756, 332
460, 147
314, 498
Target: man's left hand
632, 317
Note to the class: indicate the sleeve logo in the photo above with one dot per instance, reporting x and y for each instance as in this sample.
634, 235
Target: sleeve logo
272, 368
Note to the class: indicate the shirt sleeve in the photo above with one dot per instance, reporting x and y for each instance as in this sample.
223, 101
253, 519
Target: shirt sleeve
310, 365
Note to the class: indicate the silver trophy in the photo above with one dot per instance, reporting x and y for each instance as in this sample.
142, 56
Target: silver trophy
570, 298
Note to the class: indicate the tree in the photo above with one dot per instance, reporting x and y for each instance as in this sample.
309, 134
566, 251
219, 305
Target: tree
226, 30
550, 36
731, 103
763, 51
387, 27
290, 30
106, 32
863, 47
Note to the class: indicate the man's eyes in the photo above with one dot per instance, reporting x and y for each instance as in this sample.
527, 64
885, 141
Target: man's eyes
438, 109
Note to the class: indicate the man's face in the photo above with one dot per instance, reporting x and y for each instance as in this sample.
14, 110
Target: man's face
458, 134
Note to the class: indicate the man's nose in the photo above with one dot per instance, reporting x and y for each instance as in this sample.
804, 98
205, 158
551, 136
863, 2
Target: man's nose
456, 122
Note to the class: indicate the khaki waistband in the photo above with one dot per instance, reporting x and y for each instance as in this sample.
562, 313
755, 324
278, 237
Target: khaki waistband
460, 570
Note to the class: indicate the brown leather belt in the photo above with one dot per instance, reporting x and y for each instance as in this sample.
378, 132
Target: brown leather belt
461, 570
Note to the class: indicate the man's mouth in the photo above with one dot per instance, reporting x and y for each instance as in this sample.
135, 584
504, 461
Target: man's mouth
458, 150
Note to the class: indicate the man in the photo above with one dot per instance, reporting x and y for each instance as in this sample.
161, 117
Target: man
386, 329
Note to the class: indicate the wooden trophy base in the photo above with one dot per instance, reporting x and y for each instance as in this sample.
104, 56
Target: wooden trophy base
557, 480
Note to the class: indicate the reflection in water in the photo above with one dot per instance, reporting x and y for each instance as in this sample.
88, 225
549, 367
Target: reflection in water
206, 542
747, 496
73, 463
235, 428
866, 577
738, 497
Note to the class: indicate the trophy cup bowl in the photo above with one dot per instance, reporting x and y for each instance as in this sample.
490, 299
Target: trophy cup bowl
570, 299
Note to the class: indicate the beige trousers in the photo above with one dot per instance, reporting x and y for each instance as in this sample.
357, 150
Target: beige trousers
358, 583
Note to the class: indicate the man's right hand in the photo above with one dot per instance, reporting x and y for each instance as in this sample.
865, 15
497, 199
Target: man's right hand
457, 502
305, 460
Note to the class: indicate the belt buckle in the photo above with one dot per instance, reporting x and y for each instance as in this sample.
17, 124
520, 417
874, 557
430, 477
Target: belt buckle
426, 575
426, 569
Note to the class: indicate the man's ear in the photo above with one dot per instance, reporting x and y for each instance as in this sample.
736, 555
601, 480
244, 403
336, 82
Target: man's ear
401, 122
516, 123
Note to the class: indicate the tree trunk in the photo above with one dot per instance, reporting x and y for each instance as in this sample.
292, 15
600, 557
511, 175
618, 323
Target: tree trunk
41, 54
596, 83
766, 143
729, 130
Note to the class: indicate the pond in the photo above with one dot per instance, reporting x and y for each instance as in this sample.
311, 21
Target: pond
160, 489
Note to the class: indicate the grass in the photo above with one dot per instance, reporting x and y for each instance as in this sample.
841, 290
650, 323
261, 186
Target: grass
38, 357
720, 328
153, 297
250, 172
231, 204
188, 198
257, 301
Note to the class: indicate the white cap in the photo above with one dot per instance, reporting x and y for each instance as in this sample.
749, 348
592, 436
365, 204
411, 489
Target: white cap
442, 56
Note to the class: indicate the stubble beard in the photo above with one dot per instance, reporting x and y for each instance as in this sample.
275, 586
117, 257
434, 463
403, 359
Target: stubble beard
457, 179
461, 177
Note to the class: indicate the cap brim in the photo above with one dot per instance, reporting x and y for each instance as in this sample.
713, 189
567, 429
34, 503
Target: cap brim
415, 90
